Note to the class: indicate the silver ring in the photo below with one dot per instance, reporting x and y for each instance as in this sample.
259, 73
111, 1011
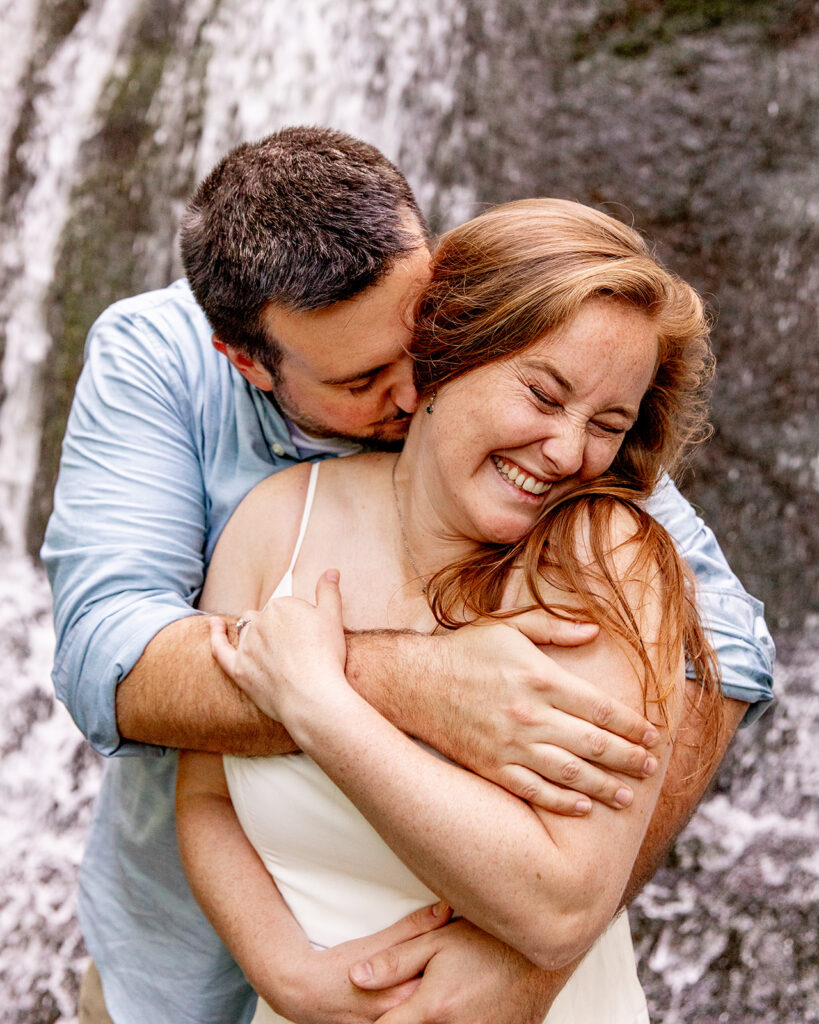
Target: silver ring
240, 624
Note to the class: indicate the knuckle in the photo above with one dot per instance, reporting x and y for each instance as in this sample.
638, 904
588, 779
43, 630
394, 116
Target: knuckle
543, 683
522, 713
603, 711
385, 961
570, 771
598, 743
636, 759
560, 801
420, 918
528, 791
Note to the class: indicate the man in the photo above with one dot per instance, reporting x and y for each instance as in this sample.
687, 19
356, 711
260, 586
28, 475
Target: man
304, 253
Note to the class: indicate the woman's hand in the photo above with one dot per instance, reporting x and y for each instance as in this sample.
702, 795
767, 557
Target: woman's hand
300, 650
314, 987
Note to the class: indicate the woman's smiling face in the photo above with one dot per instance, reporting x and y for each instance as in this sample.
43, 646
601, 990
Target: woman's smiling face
509, 437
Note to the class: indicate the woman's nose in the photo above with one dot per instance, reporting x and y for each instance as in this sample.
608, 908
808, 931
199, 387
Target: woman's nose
564, 450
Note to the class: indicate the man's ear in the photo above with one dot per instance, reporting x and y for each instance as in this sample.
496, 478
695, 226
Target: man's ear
251, 369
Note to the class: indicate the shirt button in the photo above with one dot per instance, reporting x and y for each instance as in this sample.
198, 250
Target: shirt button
278, 449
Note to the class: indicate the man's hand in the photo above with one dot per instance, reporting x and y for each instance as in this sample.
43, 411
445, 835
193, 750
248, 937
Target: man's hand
545, 731
468, 977
315, 987
485, 696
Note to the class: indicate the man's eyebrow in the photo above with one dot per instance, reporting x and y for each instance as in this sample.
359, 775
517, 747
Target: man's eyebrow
351, 378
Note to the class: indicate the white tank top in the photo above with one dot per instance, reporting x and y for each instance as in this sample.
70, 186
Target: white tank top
341, 880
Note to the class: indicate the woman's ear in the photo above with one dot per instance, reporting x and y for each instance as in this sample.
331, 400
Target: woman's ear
251, 369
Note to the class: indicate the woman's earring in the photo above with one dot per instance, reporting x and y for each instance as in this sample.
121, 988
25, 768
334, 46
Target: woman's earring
431, 404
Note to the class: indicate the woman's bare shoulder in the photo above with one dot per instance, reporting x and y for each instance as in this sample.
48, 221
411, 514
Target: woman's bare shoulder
610, 572
280, 497
609, 547
255, 544
283, 491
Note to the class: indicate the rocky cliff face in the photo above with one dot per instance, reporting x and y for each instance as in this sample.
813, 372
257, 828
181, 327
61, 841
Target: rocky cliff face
696, 119
701, 122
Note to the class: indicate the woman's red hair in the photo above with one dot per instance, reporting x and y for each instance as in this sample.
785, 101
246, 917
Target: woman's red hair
505, 280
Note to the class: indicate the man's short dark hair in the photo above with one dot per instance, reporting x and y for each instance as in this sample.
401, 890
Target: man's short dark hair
304, 218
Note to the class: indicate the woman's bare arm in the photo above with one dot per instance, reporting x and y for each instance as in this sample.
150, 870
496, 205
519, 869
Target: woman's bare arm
436, 688
230, 882
243, 904
532, 879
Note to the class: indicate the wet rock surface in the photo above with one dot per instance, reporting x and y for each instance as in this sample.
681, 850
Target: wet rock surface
727, 930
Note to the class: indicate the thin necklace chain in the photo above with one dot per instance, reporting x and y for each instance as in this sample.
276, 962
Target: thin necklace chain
416, 570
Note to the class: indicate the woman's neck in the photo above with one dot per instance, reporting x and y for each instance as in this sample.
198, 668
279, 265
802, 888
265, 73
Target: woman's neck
429, 541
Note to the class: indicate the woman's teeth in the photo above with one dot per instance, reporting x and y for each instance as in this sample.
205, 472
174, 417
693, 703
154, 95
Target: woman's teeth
515, 475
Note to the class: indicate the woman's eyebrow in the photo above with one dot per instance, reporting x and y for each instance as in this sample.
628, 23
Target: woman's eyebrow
560, 380
542, 364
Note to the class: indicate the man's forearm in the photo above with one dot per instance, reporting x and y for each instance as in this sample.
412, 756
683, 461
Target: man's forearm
680, 795
551, 983
387, 667
489, 699
177, 696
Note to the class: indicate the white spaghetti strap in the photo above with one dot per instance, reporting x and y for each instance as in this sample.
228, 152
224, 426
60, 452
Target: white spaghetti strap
305, 516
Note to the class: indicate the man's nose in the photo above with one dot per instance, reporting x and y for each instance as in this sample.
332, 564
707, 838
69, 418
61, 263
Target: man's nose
564, 450
402, 388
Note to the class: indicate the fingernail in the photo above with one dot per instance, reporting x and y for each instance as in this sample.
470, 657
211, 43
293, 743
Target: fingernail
650, 737
441, 909
361, 973
582, 806
332, 575
623, 797
650, 766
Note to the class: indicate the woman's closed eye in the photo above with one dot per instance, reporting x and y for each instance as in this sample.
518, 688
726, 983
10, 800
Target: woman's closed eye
608, 428
552, 405
543, 399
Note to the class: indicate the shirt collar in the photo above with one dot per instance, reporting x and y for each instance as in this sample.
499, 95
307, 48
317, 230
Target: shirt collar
285, 439
274, 425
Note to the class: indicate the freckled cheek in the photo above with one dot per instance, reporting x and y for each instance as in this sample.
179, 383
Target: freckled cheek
597, 460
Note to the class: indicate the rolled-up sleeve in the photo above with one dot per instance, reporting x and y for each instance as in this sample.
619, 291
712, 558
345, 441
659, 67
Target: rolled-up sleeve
124, 545
735, 619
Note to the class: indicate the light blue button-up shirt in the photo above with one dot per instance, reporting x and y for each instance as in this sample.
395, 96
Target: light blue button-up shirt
164, 440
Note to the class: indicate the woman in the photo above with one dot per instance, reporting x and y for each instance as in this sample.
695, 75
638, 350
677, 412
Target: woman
559, 368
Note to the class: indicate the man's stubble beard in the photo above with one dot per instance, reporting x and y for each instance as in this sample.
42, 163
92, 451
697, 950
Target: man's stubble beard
381, 436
